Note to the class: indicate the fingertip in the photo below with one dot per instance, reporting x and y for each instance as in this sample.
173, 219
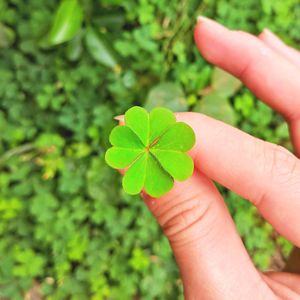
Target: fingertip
208, 36
120, 119
209, 23
263, 35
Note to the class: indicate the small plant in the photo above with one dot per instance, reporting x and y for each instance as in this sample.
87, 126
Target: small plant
151, 146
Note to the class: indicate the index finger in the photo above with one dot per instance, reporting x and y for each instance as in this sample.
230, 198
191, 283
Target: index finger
270, 76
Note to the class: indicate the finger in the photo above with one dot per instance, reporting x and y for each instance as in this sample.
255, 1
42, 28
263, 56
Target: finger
205, 243
270, 76
290, 280
271, 40
267, 175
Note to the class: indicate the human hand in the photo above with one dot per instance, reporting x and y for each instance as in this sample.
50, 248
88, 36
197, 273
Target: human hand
213, 261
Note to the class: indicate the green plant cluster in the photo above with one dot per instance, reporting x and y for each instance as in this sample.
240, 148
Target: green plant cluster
67, 231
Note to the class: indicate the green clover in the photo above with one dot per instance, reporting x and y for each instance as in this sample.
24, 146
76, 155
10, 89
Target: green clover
152, 147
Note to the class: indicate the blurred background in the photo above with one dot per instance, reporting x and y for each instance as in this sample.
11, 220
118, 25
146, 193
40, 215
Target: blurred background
67, 230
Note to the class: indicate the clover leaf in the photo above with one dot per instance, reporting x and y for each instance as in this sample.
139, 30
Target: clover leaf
151, 146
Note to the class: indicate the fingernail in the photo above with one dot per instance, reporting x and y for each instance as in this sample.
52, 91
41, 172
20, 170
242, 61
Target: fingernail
209, 37
211, 23
272, 36
268, 32
202, 19
206, 20
119, 118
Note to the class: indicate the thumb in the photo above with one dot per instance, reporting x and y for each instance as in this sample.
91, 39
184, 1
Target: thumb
210, 254
212, 259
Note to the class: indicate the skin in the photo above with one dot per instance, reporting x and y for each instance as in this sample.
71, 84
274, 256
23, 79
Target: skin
212, 259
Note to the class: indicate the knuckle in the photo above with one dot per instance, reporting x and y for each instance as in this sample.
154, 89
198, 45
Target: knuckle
182, 218
190, 219
280, 172
281, 164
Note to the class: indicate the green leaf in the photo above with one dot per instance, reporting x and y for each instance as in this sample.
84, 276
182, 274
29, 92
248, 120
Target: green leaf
224, 83
137, 119
160, 120
123, 136
121, 158
67, 22
152, 146
178, 164
134, 178
99, 50
158, 181
217, 106
169, 95
179, 137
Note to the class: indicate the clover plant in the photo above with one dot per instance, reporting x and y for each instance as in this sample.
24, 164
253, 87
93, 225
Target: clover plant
151, 147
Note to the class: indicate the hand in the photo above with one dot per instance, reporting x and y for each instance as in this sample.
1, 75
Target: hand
212, 259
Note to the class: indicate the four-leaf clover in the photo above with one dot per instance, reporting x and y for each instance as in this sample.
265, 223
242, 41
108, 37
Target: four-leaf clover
151, 146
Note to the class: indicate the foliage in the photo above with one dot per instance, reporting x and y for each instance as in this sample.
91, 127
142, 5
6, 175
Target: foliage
152, 147
65, 224
67, 22
215, 101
